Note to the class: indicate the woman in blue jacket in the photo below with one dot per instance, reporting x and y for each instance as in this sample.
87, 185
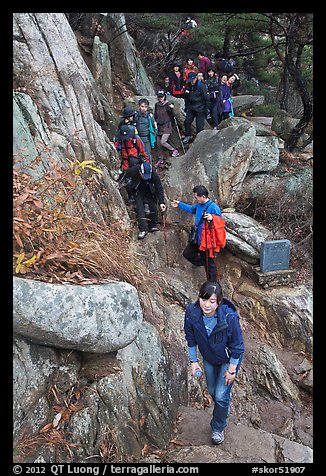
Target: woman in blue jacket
212, 324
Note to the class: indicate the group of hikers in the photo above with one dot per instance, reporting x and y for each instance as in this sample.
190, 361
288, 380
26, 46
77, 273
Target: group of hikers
206, 90
211, 324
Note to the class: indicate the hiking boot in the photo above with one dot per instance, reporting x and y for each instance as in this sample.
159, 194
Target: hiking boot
159, 164
141, 235
217, 437
153, 228
175, 153
187, 139
146, 209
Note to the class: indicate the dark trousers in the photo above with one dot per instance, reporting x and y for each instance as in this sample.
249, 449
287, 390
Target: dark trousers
200, 121
198, 258
214, 112
144, 222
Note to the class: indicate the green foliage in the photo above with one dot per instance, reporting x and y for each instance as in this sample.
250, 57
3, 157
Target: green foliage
266, 110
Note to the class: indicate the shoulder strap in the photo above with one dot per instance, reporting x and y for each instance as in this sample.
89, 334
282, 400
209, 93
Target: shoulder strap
202, 217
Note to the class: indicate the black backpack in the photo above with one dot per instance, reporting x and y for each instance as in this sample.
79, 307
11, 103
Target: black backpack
226, 66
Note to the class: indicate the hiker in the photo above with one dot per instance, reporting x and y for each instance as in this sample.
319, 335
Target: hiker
234, 82
204, 209
132, 152
146, 126
190, 23
128, 116
189, 68
200, 77
225, 96
166, 86
164, 117
177, 83
212, 324
147, 188
196, 105
203, 63
215, 103
224, 65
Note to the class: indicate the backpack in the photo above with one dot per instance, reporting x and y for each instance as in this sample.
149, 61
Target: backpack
226, 66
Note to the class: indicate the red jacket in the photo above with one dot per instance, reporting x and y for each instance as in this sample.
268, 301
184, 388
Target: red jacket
213, 236
130, 148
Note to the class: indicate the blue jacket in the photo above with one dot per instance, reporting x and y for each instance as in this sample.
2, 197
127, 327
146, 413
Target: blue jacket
226, 339
198, 210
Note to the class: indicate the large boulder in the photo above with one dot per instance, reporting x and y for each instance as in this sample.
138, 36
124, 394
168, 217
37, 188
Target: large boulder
93, 318
218, 159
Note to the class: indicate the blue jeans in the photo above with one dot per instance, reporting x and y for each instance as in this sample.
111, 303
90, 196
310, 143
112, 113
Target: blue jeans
220, 392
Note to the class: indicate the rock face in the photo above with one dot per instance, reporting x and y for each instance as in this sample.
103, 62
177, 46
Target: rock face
89, 318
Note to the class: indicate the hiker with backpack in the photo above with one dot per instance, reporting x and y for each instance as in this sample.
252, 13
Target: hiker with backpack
224, 65
146, 126
164, 117
215, 103
199, 251
212, 324
177, 83
196, 105
147, 188
131, 150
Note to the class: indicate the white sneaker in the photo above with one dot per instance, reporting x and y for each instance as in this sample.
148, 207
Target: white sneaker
141, 235
217, 437
175, 153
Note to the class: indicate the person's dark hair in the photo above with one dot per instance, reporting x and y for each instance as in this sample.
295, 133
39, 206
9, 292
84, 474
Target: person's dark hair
200, 53
200, 190
143, 101
209, 288
190, 59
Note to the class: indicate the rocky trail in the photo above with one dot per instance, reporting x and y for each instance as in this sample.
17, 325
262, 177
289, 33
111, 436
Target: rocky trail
243, 444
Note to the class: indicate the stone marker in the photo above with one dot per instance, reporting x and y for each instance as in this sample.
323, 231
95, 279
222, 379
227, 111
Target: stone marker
274, 255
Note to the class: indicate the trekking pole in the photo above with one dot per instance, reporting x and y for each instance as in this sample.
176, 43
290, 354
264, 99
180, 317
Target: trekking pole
165, 240
176, 125
206, 230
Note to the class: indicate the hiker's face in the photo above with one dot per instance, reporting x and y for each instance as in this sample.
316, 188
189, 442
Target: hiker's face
224, 78
200, 199
209, 306
161, 98
143, 108
129, 118
211, 73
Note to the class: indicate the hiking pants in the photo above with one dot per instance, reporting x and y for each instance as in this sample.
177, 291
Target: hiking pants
147, 147
145, 222
214, 112
200, 121
220, 392
162, 141
198, 258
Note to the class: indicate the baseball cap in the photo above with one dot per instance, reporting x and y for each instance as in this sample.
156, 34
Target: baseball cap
146, 170
191, 77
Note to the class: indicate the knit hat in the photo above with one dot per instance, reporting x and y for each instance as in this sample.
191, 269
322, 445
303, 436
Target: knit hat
128, 111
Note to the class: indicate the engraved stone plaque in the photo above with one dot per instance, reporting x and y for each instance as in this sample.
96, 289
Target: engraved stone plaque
274, 255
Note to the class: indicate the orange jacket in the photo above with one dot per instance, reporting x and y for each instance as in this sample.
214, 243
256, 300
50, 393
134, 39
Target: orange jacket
213, 236
189, 69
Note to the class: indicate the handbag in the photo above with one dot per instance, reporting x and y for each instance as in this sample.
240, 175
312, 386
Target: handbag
193, 234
